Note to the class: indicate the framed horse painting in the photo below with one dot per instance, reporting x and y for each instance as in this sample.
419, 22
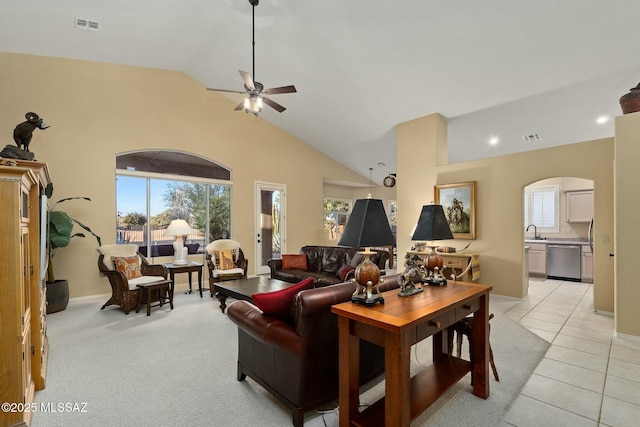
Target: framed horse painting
459, 204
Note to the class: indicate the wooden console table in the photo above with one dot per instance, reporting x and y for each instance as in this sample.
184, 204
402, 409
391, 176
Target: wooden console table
459, 263
398, 324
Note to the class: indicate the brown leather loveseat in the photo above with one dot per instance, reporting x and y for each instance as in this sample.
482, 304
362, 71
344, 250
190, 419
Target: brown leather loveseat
297, 361
324, 263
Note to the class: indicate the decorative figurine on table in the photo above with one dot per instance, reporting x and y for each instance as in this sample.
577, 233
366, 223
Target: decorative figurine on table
414, 273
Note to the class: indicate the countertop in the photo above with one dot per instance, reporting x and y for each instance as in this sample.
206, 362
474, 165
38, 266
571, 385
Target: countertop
560, 241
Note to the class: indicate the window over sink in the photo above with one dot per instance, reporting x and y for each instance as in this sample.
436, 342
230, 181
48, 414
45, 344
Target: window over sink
541, 208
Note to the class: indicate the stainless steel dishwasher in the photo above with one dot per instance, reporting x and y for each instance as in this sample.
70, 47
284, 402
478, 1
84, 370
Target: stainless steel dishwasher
563, 262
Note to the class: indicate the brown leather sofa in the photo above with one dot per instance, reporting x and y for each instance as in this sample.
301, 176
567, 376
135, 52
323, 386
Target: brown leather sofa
323, 264
298, 362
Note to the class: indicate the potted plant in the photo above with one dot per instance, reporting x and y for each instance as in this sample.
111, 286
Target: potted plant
60, 229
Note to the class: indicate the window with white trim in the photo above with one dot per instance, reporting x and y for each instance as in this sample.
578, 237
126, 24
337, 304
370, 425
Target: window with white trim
541, 208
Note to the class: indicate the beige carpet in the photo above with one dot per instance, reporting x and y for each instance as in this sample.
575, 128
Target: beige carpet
178, 368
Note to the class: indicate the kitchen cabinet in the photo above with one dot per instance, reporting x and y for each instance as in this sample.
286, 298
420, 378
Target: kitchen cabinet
586, 265
579, 206
537, 259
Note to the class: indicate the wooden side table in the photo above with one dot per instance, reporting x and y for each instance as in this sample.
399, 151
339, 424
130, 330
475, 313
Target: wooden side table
398, 324
189, 268
165, 294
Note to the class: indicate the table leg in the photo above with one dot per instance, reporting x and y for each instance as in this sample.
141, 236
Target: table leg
200, 281
170, 291
148, 301
223, 301
397, 375
140, 290
480, 349
348, 373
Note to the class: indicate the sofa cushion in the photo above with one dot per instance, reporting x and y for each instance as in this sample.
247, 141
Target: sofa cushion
278, 303
356, 260
332, 259
297, 262
314, 258
343, 271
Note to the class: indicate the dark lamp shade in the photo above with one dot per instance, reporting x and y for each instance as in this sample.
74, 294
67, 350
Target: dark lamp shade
432, 224
367, 225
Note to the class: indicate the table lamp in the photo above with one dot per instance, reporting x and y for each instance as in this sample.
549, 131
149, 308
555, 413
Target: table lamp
179, 228
367, 226
432, 226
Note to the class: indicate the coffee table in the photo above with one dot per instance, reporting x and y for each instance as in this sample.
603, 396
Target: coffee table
242, 289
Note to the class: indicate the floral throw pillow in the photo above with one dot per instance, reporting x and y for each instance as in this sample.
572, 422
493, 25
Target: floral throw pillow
130, 266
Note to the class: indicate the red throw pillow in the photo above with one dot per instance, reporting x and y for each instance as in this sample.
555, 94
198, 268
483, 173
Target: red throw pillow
294, 262
344, 270
277, 303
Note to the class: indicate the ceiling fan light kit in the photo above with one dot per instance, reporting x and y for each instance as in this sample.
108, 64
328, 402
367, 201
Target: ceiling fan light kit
254, 91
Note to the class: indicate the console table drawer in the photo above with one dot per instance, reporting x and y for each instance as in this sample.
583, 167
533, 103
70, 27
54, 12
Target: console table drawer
466, 309
434, 325
454, 262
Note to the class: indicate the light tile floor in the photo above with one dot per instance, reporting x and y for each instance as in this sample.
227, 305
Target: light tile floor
589, 376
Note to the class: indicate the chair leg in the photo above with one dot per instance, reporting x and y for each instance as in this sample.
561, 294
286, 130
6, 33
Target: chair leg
467, 329
459, 344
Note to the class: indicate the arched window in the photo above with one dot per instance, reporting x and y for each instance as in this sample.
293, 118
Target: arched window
155, 187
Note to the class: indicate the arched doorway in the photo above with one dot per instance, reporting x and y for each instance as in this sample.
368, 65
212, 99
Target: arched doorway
558, 223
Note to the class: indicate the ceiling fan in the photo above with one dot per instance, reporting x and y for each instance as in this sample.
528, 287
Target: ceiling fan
254, 90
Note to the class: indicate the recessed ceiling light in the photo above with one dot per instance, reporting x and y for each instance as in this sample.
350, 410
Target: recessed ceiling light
602, 120
494, 140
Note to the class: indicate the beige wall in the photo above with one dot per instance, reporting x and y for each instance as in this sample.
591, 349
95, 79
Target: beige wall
627, 206
97, 110
500, 184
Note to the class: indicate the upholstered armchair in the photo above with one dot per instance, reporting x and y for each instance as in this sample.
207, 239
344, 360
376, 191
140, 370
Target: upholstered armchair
126, 268
225, 261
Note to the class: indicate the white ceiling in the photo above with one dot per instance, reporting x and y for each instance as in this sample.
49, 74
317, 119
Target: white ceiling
503, 68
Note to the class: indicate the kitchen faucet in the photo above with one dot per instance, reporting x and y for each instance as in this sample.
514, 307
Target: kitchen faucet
535, 230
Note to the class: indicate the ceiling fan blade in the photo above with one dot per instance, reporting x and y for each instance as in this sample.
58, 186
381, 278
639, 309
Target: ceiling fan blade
279, 108
240, 107
283, 89
248, 80
226, 90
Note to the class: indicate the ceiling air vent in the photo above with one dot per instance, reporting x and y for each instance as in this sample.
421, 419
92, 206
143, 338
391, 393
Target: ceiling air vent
86, 24
532, 137
81, 24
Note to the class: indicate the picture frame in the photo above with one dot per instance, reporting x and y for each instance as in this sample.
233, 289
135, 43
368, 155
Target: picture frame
459, 203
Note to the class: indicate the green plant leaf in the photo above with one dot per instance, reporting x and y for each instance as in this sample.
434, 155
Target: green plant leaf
60, 228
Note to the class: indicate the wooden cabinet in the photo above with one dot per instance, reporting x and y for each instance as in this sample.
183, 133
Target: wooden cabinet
586, 266
579, 206
537, 259
23, 342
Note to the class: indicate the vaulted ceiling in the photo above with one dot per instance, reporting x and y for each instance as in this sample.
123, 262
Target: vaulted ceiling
493, 68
